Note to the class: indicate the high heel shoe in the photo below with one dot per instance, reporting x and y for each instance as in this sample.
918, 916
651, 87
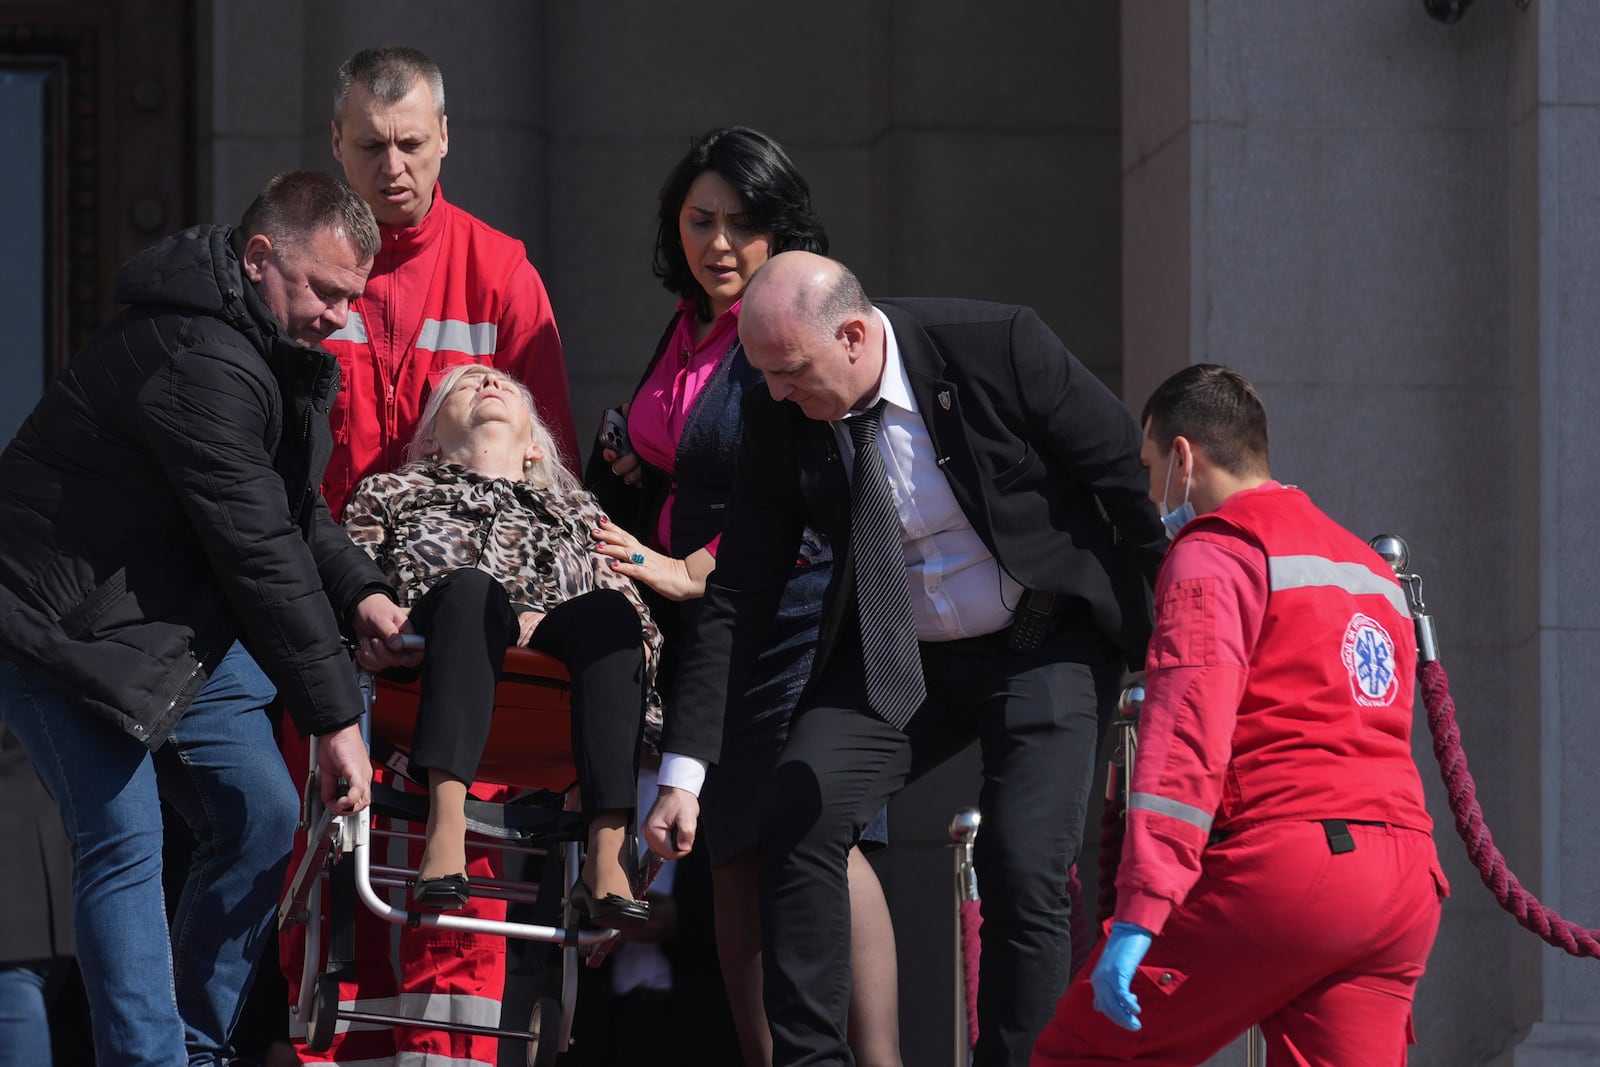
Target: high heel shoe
610, 911
448, 892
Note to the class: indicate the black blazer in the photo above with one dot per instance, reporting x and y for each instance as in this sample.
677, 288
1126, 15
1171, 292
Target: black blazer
1042, 458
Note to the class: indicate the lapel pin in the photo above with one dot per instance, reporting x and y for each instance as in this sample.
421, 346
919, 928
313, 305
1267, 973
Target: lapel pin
944, 399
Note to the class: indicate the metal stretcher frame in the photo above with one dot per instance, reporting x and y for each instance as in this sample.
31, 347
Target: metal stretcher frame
529, 746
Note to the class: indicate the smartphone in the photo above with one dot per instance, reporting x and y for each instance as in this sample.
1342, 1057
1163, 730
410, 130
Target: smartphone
614, 431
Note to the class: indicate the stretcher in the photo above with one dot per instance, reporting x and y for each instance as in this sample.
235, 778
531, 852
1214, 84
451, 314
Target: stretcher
529, 748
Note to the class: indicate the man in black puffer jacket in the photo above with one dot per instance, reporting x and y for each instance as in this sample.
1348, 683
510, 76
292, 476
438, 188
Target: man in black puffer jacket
160, 534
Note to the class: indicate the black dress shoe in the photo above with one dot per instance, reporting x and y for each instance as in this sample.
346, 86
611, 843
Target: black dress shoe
449, 892
610, 911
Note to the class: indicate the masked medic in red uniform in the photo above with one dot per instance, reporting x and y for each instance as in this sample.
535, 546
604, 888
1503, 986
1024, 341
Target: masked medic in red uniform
1278, 866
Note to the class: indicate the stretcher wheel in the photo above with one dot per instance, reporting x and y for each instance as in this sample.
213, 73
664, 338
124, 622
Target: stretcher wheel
324, 1014
544, 1029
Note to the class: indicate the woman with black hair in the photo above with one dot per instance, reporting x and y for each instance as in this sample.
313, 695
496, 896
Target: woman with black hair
731, 203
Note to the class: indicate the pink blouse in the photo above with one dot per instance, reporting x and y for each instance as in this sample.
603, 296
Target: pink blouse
663, 403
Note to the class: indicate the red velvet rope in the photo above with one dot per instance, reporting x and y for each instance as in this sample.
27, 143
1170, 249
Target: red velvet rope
1463, 794
1112, 828
971, 922
1078, 924
972, 947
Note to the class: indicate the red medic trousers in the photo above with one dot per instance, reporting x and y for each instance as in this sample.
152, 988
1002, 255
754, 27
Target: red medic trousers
1323, 950
441, 975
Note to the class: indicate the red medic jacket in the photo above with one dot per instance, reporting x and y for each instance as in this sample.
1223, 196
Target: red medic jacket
1279, 686
447, 291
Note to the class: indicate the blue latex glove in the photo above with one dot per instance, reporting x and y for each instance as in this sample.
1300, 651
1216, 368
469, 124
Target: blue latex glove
1124, 951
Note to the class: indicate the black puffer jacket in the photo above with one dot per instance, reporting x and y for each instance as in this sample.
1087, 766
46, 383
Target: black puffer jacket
161, 501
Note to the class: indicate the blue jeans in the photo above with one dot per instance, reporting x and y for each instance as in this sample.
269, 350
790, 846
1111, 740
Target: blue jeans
24, 1013
160, 998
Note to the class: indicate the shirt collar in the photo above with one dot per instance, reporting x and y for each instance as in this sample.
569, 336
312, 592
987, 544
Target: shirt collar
895, 388
723, 330
408, 238
686, 308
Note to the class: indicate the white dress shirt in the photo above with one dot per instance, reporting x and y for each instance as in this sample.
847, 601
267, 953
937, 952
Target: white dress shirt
957, 588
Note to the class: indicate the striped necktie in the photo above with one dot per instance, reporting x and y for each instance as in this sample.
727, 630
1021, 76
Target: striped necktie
895, 686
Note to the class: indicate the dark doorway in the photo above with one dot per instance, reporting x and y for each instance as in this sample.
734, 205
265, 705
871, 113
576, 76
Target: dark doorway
96, 111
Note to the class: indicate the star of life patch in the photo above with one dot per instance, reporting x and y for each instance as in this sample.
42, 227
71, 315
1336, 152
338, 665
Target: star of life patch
1368, 655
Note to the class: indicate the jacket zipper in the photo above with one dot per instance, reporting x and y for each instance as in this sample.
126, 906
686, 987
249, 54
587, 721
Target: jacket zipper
389, 362
307, 497
182, 689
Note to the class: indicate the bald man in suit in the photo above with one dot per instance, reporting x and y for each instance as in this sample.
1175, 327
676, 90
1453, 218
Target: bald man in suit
1026, 542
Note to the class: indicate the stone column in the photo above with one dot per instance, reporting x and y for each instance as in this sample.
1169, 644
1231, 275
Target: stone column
1555, 507
247, 125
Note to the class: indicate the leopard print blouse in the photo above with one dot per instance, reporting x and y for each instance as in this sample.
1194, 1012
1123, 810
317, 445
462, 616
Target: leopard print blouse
421, 522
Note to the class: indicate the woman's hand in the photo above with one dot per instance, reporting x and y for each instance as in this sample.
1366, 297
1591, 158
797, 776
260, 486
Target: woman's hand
624, 462
627, 467
629, 557
527, 622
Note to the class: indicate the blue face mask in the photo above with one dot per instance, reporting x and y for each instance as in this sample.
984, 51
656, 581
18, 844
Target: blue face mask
1178, 517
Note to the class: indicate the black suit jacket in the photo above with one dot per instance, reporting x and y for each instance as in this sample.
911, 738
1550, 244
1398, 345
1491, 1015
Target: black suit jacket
1042, 458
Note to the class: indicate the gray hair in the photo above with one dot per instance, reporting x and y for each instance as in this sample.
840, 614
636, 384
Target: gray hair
547, 472
388, 73
842, 300
298, 203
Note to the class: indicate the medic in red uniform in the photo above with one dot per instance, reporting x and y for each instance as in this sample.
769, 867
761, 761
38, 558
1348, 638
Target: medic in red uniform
445, 289
1278, 866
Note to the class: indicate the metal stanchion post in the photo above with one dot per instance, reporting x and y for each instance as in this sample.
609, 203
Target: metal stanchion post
1129, 704
1397, 555
1255, 1047
963, 832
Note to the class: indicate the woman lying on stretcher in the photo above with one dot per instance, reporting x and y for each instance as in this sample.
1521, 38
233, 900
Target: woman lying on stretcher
489, 541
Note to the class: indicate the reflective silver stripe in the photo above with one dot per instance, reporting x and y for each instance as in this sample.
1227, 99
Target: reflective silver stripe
1177, 809
354, 331
450, 1007
453, 335
1299, 572
407, 1058
372, 1005
446, 1007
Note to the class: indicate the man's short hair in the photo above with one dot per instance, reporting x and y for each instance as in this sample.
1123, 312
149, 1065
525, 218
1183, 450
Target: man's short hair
1215, 408
298, 203
843, 300
388, 73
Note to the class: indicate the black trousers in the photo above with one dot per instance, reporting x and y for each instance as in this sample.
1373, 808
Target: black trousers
469, 622
1036, 717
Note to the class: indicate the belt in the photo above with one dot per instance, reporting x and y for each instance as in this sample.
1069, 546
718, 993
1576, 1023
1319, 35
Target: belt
1338, 832
1340, 840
